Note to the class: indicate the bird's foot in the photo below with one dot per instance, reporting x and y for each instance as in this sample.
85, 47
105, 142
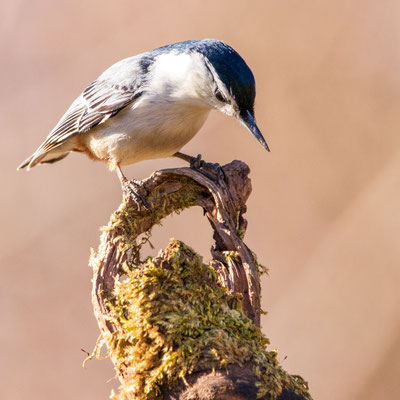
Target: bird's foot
215, 168
132, 189
199, 164
202, 166
196, 162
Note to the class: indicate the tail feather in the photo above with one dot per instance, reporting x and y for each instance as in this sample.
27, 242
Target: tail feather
25, 163
33, 160
55, 159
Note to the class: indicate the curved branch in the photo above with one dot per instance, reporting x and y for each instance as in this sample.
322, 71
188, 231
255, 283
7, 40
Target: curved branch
222, 193
223, 197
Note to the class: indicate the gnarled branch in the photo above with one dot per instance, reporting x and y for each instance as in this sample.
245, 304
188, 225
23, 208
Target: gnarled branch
226, 358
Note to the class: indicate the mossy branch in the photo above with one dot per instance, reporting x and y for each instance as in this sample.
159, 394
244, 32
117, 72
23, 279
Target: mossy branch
174, 327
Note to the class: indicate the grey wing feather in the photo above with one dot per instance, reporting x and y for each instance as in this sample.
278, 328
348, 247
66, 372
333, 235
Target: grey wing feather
96, 104
116, 88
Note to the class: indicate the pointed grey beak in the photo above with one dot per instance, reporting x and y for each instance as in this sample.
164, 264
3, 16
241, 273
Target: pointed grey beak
248, 121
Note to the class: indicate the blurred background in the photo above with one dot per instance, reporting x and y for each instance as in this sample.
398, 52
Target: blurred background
323, 216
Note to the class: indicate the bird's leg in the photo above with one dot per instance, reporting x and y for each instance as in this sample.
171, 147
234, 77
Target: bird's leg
198, 163
132, 188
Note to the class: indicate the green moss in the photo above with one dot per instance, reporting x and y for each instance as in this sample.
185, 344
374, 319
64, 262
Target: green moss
129, 222
173, 319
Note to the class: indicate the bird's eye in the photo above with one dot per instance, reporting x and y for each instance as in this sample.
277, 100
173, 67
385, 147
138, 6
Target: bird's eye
219, 96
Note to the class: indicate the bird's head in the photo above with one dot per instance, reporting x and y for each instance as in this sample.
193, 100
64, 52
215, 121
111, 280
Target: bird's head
234, 88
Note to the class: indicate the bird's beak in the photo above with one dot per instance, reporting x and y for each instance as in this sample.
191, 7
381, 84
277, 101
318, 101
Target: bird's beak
248, 121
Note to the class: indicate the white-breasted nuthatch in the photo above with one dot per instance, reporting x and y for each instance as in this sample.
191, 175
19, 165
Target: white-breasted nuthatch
150, 105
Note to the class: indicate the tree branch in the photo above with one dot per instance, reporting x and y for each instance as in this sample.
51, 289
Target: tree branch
226, 358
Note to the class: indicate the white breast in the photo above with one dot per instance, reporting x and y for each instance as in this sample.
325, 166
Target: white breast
170, 112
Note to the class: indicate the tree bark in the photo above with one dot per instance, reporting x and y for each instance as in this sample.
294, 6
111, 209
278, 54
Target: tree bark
222, 193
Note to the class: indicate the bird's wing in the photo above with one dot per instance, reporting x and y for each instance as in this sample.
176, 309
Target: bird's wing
117, 87
99, 101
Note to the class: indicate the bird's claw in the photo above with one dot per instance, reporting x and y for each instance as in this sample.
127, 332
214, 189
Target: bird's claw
217, 170
138, 183
199, 164
132, 189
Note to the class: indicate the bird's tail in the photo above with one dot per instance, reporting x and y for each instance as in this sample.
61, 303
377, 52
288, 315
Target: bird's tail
35, 159
25, 163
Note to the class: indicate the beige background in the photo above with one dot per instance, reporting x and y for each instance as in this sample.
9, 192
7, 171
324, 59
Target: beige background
324, 213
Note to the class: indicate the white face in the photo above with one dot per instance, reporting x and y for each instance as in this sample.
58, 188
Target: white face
187, 78
226, 108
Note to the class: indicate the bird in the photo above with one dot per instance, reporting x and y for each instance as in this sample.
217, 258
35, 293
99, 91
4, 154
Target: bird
150, 105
